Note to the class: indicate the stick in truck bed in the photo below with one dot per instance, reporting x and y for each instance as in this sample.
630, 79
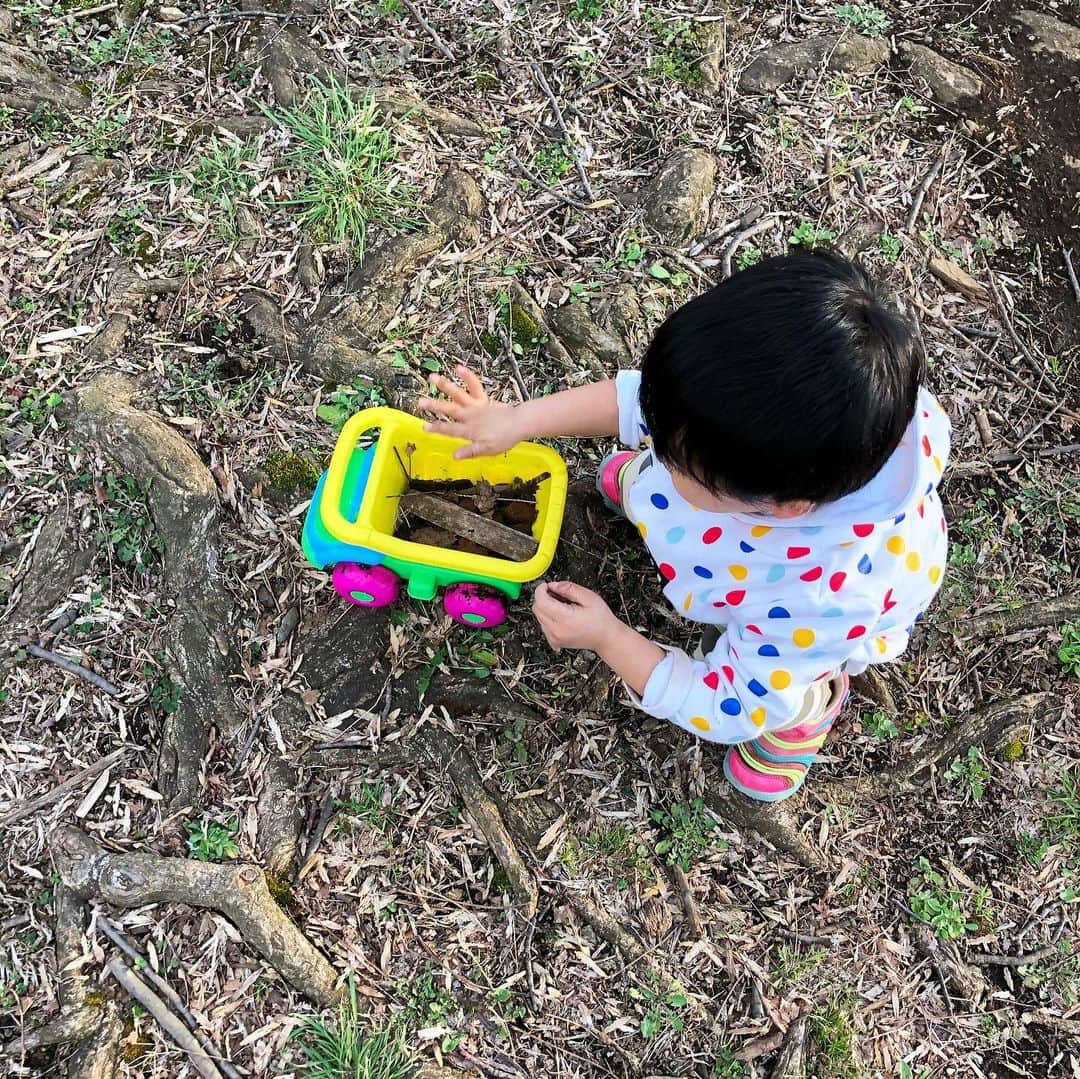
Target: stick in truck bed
496, 537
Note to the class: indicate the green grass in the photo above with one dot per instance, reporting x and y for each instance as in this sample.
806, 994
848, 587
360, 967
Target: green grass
792, 965
833, 1040
586, 10
941, 907
341, 1049
688, 828
369, 804
867, 19
223, 173
211, 841
1063, 821
1068, 652
349, 158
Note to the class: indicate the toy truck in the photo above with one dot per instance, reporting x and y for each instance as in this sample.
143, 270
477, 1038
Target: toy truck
350, 524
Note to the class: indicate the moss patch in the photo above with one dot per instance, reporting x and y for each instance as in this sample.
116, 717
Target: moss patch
290, 472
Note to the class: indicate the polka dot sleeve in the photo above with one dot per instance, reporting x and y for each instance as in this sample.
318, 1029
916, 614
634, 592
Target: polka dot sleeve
755, 679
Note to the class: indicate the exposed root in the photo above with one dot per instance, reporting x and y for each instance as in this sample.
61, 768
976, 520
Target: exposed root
1049, 612
871, 685
183, 501
127, 290
989, 728
773, 821
445, 751
26, 83
239, 892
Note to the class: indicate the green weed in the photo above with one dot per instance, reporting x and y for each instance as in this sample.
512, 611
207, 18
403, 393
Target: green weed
428, 1004
663, 1008
1032, 847
343, 402
937, 904
37, 405
1068, 652
747, 257
341, 1048
725, 1066
910, 105
889, 245
809, 235
688, 828
126, 528
970, 771
552, 162
210, 841
793, 966
586, 10
879, 725
349, 158
868, 19
679, 53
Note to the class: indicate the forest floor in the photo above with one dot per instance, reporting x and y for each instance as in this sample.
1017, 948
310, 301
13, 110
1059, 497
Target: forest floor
157, 222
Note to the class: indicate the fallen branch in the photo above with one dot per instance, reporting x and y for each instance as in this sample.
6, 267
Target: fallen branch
25, 809
561, 122
693, 919
154, 981
142, 994
238, 892
739, 238
791, 1063
74, 668
1066, 257
497, 537
920, 193
991, 960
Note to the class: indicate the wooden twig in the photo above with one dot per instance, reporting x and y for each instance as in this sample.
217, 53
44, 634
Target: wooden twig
1066, 257
920, 193
561, 121
154, 981
72, 667
327, 809
25, 809
689, 905
497, 537
991, 960
567, 200
429, 29
741, 237
1003, 313
140, 992
710, 238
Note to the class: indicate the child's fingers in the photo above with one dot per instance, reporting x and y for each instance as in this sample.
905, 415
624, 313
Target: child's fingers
440, 408
452, 390
445, 427
472, 382
569, 592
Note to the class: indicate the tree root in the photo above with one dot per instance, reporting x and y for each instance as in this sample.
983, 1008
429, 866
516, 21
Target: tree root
990, 728
237, 892
26, 83
183, 502
445, 751
773, 821
1049, 612
791, 1062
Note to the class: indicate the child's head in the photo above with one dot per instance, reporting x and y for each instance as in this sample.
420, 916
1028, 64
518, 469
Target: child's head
788, 385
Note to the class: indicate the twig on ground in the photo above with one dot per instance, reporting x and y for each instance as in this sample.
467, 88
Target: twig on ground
990, 960
140, 992
25, 809
72, 667
538, 73
567, 200
1003, 313
154, 981
326, 815
920, 193
1066, 257
741, 237
710, 238
693, 919
429, 29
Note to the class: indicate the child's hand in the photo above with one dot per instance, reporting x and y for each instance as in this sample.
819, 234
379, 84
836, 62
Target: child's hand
573, 617
469, 413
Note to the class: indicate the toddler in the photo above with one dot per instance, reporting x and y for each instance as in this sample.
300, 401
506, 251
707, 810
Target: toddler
781, 466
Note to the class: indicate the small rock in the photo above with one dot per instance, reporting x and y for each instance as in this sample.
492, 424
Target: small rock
620, 312
951, 83
1046, 34
582, 336
677, 202
851, 54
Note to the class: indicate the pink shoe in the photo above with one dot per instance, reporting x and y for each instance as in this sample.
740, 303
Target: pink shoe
775, 765
607, 479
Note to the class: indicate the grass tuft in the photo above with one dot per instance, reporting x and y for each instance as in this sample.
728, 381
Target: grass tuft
350, 160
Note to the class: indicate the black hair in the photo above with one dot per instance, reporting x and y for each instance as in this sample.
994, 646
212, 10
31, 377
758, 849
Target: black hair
794, 379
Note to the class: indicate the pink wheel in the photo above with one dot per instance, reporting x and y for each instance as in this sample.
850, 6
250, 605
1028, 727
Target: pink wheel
474, 606
366, 586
